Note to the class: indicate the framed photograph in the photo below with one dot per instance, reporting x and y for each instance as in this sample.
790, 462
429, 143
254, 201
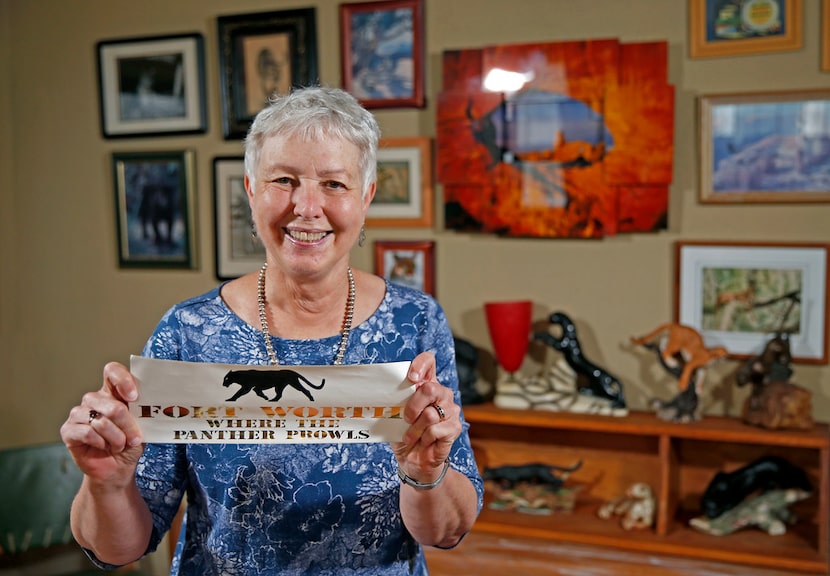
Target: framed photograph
408, 263
155, 209
825, 35
152, 86
261, 55
738, 295
742, 27
382, 52
764, 147
237, 251
404, 192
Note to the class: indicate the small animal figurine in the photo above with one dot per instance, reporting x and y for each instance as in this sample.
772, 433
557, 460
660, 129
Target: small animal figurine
727, 490
773, 364
774, 402
770, 512
533, 473
678, 341
636, 508
682, 354
591, 379
466, 363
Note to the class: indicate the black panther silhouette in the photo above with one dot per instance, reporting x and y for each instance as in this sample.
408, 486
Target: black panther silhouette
260, 380
591, 379
157, 212
534, 473
727, 490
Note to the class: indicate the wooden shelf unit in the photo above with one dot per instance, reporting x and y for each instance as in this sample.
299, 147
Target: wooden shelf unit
677, 460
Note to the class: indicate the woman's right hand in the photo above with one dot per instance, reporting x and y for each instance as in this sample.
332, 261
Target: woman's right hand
101, 434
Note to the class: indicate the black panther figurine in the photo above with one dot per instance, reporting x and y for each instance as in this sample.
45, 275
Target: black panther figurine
591, 380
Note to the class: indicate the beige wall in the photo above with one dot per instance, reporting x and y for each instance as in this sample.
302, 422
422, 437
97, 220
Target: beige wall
66, 308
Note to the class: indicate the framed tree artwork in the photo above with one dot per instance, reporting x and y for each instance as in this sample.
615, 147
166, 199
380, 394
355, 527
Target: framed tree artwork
739, 294
152, 86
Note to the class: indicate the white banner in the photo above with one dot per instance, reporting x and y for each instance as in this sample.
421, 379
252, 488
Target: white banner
183, 402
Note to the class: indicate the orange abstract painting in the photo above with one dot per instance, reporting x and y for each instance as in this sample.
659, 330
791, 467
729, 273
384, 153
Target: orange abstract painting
581, 144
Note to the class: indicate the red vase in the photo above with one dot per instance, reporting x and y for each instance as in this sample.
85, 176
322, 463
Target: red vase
509, 326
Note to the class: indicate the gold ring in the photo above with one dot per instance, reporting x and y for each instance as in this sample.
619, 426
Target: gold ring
441, 414
93, 414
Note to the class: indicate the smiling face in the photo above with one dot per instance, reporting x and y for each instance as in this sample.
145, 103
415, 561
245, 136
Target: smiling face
308, 204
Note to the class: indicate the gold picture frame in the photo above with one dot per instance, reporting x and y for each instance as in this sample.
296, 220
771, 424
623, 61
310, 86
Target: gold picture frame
744, 27
404, 192
753, 147
825, 35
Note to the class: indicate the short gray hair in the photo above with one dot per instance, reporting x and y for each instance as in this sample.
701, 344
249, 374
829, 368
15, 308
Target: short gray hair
315, 113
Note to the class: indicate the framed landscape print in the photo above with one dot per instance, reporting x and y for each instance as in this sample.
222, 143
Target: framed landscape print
155, 209
152, 86
739, 295
260, 55
743, 27
237, 251
404, 191
382, 52
764, 147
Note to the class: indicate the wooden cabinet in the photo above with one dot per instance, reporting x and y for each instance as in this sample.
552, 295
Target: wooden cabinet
677, 460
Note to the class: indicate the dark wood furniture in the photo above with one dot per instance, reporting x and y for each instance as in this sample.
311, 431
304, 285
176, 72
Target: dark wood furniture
678, 460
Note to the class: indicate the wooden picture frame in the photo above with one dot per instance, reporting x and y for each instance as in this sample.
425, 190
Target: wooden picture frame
382, 52
152, 86
761, 147
155, 209
825, 35
409, 263
262, 54
744, 27
237, 251
739, 294
404, 191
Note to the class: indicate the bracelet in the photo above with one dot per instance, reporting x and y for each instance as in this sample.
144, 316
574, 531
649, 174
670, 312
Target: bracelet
407, 479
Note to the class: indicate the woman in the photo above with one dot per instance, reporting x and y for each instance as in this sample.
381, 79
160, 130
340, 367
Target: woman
310, 161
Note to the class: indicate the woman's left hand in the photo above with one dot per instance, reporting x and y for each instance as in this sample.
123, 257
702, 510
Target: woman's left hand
434, 423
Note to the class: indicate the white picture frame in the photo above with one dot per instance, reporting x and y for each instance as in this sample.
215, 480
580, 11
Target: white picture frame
791, 276
237, 251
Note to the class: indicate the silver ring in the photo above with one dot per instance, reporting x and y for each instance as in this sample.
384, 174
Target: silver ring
441, 414
93, 414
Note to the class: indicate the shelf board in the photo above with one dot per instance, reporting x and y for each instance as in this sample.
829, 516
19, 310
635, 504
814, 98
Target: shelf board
639, 423
789, 551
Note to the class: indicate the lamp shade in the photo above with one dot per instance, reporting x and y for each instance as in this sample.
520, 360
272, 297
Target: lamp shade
509, 326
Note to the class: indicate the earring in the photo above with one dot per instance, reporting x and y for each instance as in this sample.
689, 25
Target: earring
254, 235
361, 240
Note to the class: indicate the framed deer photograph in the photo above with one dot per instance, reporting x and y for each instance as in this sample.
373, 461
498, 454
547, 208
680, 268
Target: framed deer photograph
739, 295
155, 209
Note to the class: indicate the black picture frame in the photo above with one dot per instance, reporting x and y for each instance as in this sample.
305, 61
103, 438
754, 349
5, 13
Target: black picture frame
152, 86
261, 46
155, 209
237, 251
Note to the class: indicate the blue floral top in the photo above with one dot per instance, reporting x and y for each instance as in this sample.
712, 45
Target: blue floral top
293, 509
